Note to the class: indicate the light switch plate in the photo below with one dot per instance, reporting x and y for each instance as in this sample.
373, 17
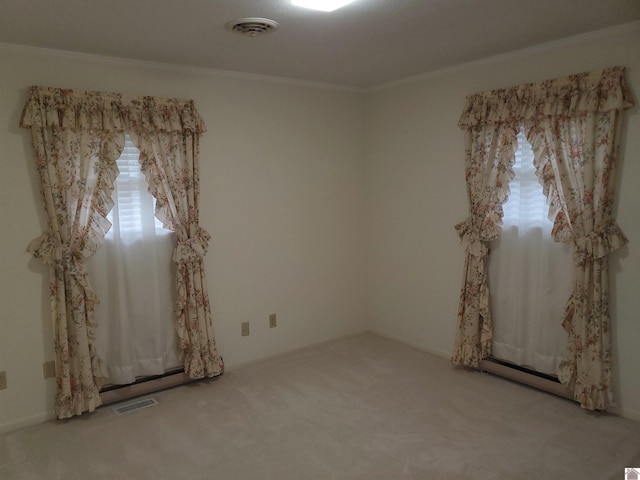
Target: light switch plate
244, 329
49, 369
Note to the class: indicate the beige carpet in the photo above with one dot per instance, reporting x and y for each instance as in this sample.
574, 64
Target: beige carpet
358, 408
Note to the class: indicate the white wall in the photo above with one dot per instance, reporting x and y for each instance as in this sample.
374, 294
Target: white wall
293, 208
282, 176
416, 194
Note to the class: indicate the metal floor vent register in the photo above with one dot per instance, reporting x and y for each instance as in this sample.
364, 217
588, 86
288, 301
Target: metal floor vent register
137, 405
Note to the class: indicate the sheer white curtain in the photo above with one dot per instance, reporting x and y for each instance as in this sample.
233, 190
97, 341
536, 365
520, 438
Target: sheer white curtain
530, 275
132, 275
572, 123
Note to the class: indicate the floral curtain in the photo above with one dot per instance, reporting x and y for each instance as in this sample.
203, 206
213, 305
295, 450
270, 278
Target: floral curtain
489, 157
77, 167
77, 137
170, 163
571, 123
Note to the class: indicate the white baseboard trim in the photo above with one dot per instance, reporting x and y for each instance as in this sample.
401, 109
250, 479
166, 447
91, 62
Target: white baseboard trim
614, 409
417, 346
26, 422
162, 383
628, 413
526, 379
293, 350
144, 388
45, 417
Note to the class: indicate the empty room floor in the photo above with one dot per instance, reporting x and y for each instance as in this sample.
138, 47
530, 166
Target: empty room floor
363, 407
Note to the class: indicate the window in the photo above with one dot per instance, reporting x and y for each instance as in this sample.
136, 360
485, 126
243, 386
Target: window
134, 207
526, 208
133, 276
530, 275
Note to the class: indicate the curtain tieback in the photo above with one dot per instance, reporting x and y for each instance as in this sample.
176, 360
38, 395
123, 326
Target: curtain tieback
600, 243
49, 249
192, 249
470, 237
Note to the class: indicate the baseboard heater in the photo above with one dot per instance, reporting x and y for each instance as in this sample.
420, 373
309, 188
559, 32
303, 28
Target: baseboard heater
143, 386
526, 376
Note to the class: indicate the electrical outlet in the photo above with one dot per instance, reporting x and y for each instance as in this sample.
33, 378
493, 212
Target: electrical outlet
244, 328
49, 369
3, 380
273, 322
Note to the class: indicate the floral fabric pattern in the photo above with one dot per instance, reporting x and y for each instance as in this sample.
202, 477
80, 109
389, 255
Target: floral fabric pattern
571, 123
170, 164
76, 173
77, 137
489, 158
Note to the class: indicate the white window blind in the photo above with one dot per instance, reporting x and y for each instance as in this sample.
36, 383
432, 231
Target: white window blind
133, 204
133, 275
527, 206
530, 275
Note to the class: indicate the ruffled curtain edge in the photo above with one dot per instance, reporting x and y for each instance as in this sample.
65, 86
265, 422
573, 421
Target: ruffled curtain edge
577, 95
102, 111
597, 91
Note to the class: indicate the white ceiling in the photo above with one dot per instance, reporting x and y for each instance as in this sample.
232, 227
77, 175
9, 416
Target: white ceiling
364, 44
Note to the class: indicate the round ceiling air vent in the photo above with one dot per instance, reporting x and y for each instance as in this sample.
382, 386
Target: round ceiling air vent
252, 27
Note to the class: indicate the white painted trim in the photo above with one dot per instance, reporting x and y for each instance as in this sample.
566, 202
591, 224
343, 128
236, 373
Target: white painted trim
614, 409
563, 42
144, 388
26, 422
294, 350
417, 346
41, 418
630, 414
108, 398
169, 67
526, 379
174, 68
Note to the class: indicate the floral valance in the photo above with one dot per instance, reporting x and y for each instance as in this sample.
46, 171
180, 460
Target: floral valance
598, 91
98, 111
